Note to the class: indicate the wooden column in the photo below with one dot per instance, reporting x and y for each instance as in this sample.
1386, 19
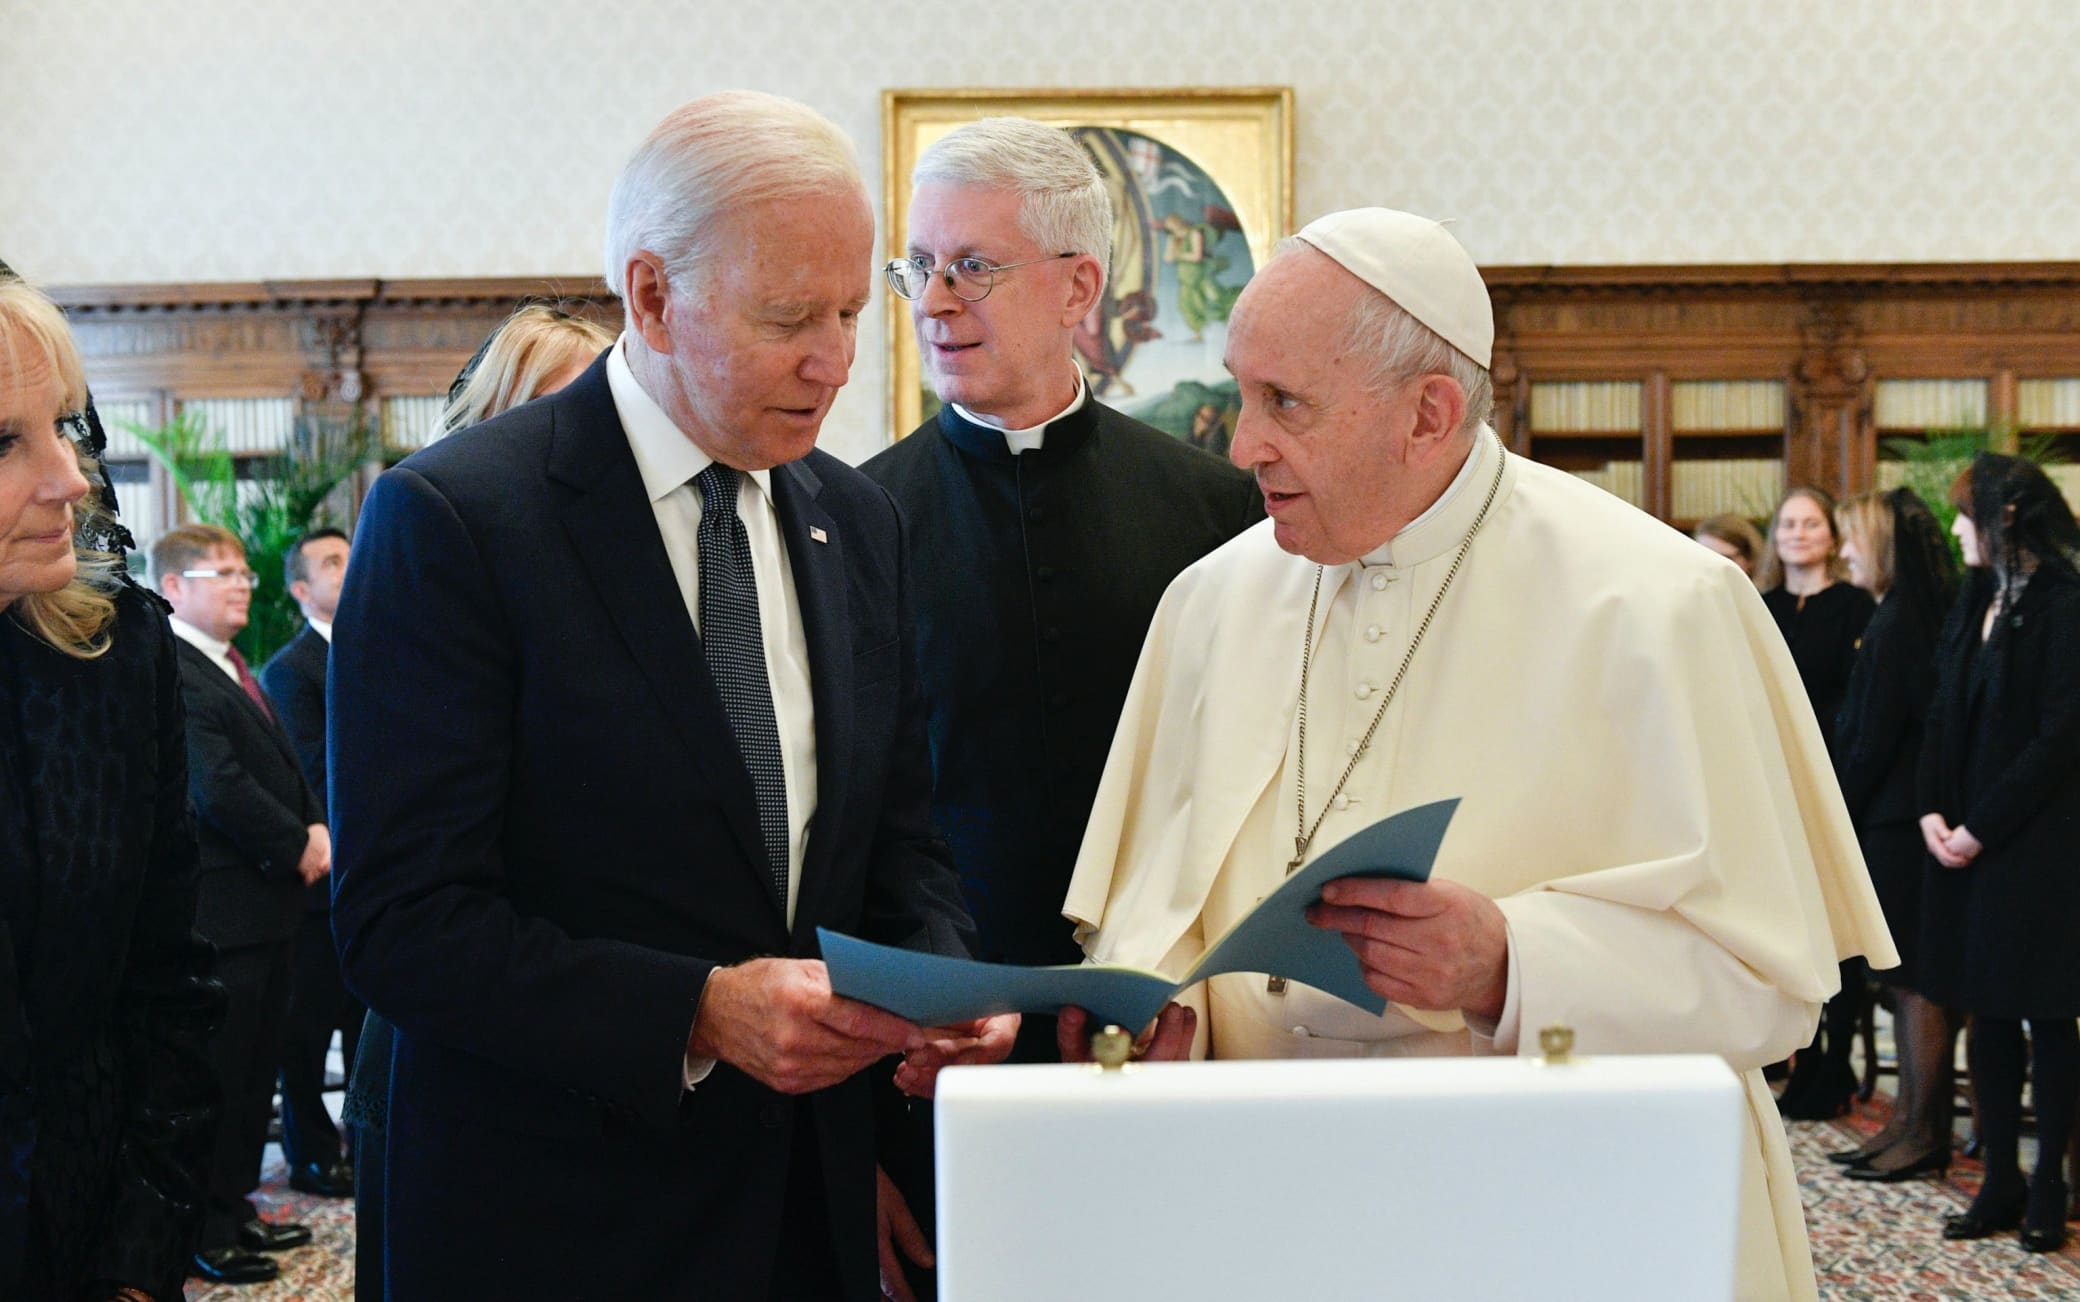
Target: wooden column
1657, 445
1832, 439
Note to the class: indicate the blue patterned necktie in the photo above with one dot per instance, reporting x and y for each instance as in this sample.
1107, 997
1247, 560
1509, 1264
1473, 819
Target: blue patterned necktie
736, 654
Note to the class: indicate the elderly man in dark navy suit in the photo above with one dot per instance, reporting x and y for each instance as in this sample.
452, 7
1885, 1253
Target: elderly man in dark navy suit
624, 707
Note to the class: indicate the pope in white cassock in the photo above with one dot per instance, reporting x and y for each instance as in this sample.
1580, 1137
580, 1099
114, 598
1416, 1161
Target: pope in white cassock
1651, 846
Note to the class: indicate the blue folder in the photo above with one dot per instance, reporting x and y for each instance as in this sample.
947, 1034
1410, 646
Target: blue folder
1274, 938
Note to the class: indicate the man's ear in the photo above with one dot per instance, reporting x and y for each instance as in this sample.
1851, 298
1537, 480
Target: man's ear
649, 298
1086, 283
1440, 411
299, 592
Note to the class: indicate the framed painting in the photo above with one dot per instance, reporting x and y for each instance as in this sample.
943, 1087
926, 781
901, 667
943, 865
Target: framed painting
1202, 187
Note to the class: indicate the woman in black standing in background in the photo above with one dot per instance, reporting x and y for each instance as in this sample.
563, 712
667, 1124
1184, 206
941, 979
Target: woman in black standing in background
105, 997
1821, 620
1895, 551
1999, 785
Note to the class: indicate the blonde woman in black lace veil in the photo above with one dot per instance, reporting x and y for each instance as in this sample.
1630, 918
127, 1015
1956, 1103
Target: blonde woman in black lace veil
105, 998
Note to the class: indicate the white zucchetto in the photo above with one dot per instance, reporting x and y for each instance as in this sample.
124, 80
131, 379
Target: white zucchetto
1418, 264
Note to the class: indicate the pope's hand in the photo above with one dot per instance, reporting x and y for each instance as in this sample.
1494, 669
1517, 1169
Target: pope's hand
777, 1020
984, 1040
1432, 945
1167, 1039
899, 1234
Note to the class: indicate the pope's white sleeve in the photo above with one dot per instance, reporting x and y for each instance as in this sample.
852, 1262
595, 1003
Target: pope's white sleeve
1633, 980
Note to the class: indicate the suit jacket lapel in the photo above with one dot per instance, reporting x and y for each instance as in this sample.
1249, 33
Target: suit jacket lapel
212, 673
611, 527
818, 565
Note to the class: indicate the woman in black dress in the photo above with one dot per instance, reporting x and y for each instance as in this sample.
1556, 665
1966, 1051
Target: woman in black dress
1821, 619
1895, 550
1999, 785
105, 997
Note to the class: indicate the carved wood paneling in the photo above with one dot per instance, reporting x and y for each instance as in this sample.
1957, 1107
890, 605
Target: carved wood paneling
1829, 333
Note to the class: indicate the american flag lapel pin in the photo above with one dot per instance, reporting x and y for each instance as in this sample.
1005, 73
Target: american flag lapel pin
818, 535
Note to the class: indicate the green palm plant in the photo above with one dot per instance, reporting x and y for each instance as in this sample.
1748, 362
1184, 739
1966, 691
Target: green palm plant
288, 494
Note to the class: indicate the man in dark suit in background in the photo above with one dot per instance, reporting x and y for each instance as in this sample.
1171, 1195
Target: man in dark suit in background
624, 707
1046, 525
263, 841
318, 1000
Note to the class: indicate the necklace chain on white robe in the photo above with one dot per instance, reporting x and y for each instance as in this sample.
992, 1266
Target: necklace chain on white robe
1303, 835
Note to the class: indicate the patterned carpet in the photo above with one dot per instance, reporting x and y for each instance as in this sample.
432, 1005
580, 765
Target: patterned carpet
323, 1271
1883, 1242
1871, 1242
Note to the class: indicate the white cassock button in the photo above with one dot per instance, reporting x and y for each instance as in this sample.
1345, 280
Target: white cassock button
1372, 632
1301, 1032
1364, 690
1350, 748
1341, 802
1380, 582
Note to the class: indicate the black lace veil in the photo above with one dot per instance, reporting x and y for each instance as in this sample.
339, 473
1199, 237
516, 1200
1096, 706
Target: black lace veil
102, 530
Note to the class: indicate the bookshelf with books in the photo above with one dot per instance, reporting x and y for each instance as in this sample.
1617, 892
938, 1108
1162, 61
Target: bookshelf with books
2047, 413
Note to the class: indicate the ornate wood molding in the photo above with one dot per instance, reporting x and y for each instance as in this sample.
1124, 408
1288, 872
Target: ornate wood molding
1829, 332
316, 340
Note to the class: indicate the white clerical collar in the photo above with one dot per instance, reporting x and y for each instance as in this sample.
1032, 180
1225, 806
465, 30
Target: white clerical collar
665, 457
1445, 521
323, 626
1028, 440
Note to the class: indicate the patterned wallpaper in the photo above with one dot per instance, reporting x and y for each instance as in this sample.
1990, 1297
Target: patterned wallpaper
221, 139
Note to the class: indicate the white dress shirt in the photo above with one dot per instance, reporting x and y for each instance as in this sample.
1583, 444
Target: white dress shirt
219, 652
668, 460
323, 626
1029, 440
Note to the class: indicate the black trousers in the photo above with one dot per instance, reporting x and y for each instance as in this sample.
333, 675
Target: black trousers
318, 1005
243, 1057
805, 1269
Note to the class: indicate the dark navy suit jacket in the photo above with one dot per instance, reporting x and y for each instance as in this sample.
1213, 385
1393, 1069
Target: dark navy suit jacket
295, 682
546, 840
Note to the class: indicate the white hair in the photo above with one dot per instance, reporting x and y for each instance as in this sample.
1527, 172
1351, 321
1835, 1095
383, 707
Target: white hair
1063, 204
709, 158
1401, 347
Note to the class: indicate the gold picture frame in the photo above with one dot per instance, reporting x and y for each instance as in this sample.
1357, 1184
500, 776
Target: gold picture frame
1226, 151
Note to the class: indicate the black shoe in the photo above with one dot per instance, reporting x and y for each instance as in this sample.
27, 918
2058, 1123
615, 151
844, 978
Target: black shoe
272, 1236
1929, 1164
333, 1181
234, 1266
2050, 1240
1853, 1157
1975, 1223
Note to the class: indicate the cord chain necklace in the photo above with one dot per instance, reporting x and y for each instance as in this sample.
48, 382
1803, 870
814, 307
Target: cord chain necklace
1303, 832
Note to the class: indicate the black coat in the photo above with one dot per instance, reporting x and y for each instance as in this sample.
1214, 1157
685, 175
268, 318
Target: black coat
1877, 744
1037, 577
2002, 759
105, 995
253, 810
294, 678
1822, 632
547, 840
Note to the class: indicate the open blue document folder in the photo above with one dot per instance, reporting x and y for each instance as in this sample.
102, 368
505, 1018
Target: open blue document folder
1274, 938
